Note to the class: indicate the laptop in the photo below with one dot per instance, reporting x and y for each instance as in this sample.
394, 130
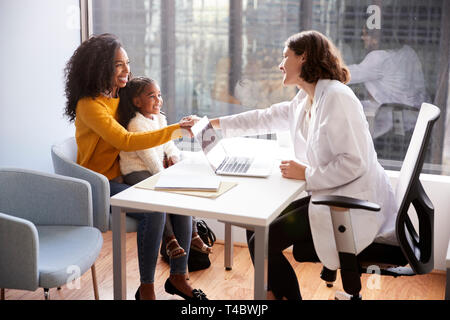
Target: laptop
223, 163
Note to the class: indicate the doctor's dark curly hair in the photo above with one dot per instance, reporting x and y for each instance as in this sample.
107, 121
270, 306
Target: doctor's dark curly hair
90, 70
323, 59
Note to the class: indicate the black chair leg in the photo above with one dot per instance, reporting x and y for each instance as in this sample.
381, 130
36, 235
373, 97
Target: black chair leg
329, 276
46, 294
351, 277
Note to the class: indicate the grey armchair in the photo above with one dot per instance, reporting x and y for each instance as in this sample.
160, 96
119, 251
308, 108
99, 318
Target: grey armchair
46, 232
64, 156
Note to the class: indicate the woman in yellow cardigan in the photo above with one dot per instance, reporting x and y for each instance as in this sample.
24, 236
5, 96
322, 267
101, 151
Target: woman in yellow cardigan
94, 75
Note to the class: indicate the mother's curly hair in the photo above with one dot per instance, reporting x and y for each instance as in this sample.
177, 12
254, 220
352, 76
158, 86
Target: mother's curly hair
90, 70
323, 60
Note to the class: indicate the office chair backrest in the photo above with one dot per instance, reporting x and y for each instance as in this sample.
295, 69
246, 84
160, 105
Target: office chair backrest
417, 248
64, 156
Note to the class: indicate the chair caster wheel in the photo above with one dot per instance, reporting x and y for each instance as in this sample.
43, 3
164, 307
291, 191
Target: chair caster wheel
329, 276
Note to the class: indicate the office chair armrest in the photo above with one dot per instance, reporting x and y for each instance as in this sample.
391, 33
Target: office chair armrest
345, 202
19, 252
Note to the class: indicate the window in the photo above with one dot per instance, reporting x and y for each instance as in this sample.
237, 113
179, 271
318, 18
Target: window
221, 57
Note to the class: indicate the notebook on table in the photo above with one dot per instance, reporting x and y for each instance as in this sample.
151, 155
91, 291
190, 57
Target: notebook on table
225, 186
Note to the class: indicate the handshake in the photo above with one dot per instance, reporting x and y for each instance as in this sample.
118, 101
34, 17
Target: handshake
186, 124
189, 121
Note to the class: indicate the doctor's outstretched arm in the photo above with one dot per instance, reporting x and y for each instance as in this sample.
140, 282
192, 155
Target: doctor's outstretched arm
215, 123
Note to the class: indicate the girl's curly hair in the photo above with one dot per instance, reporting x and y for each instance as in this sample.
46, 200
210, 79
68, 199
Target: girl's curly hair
323, 60
90, 70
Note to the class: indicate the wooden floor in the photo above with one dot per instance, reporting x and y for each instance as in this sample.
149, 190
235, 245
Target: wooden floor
236, 284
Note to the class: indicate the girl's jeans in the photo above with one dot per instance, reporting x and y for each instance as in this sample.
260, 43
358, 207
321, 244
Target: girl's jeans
149, 235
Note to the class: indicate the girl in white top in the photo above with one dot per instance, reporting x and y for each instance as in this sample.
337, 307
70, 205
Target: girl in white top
140, 110
334, 155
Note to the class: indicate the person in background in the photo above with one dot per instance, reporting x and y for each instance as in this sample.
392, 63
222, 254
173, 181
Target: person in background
391, 73
95, 73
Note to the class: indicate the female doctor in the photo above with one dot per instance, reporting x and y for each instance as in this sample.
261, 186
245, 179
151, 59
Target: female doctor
334, 155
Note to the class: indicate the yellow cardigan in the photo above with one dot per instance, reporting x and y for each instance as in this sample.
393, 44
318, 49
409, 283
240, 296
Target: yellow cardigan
100, 137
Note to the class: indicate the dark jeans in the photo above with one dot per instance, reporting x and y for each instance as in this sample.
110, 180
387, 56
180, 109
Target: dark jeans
172, 221
290, 228
181, 228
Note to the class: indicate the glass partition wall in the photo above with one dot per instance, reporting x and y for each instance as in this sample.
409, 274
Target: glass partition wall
220, 57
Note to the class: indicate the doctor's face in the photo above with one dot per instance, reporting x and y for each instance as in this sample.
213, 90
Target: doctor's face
291, 67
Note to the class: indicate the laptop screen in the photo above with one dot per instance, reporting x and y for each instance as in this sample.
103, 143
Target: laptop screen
209, 140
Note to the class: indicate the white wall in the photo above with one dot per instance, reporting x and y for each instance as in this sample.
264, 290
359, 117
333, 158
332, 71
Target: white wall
437, 189
37, 39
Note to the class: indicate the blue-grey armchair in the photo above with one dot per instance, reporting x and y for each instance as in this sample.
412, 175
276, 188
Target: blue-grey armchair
64, 157
47, 237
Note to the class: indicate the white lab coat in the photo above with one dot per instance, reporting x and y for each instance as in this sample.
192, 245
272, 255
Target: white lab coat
340, 159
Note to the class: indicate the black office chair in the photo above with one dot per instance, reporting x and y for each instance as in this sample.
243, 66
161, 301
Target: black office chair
415, 248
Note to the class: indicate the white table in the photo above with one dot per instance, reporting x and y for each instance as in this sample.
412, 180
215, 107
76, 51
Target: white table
254, 203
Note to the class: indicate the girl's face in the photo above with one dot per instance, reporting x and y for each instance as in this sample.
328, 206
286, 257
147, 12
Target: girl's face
149, 101
121, 70
291, 67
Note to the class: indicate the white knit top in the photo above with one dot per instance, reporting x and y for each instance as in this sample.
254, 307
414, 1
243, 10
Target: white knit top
148, 159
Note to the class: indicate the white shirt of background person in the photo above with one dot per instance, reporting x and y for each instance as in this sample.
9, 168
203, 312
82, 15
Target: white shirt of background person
390, 76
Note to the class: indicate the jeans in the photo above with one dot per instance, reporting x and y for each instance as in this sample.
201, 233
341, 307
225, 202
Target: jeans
168, 229
172, 221
290, 228
149, 235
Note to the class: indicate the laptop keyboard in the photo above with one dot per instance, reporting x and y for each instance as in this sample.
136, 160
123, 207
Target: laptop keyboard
235, 165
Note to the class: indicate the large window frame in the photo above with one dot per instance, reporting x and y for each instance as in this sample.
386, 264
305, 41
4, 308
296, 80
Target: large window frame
235, 53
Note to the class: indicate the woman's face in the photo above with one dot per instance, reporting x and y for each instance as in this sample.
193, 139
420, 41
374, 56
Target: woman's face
291, 67
121, 69
370, 43
150, 100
